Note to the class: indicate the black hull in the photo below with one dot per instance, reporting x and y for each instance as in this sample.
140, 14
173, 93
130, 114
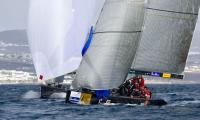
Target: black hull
134, 100
120, 100
47, 91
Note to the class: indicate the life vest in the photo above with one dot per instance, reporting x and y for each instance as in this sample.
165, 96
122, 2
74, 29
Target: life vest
135, 82
135, 87
147, 93
141, 82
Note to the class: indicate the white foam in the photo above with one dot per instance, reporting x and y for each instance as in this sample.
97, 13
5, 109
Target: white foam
110, 104
132, 105
31, 95
1, 55
58, 95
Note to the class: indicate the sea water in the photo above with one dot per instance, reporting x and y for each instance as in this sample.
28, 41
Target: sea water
23, 102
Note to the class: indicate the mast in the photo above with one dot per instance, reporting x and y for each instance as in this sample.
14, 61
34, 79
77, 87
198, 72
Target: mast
115, 38
166, 37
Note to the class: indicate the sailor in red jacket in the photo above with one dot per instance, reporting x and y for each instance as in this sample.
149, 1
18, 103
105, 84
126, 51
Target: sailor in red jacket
141, 81
146, 93
138, 82
135, 87
139, 88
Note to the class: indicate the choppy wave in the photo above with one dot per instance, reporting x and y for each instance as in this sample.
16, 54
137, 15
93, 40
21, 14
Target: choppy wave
58, 95
16, 103
184, 103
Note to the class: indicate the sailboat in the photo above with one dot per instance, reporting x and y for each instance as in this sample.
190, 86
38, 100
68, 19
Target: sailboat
154, 37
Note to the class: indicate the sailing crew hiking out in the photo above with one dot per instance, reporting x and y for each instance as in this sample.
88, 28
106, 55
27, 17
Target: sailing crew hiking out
119, 42
132, 91
135, 87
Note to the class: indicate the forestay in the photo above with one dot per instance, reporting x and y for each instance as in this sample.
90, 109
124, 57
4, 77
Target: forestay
167, 35
57, 30
116, 35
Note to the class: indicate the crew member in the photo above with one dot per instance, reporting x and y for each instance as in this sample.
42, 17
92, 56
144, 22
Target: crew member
146, 93
125, 88
135, 87
141, 82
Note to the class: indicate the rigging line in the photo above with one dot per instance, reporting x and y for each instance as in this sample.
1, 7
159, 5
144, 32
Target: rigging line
183, 18
99, 15
172, 11
117, 32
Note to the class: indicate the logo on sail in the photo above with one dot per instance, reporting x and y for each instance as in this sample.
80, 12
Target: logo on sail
87, 44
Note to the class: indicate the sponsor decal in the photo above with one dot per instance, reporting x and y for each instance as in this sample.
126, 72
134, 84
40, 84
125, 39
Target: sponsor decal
75, 97
167, 75
155, 74
86, 98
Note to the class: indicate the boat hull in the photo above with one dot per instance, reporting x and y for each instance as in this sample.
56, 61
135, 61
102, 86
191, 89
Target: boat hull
47, 91
87, 98
91, 99
134, 100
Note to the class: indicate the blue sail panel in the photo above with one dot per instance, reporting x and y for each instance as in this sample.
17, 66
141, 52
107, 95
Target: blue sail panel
87, 44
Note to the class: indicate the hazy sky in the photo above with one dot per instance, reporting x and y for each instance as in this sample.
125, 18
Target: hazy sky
13, 14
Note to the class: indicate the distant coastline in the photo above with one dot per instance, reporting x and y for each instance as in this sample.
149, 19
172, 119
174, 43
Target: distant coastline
10, 77
17, 77
16, 61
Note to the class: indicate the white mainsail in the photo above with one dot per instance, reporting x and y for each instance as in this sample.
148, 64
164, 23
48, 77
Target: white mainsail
116, 35
57, 30
167, 35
